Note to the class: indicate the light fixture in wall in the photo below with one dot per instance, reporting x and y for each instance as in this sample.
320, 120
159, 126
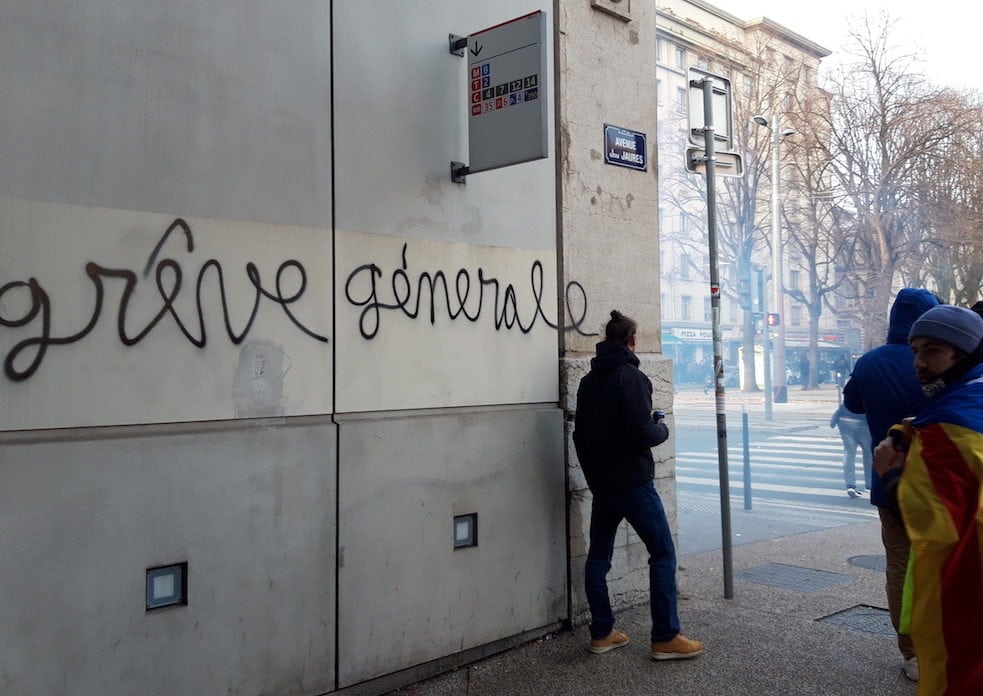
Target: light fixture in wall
466, 531
619, 8
167, 586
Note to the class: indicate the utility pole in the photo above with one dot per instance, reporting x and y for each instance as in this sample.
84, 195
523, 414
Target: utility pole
779, 381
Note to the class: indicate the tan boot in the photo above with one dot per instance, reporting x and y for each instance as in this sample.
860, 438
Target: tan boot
679, 648
615, 639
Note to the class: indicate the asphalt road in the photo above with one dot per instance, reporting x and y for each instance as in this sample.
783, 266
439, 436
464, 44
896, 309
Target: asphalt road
796, 477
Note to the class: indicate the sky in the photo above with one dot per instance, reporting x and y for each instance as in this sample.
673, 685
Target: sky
944, 34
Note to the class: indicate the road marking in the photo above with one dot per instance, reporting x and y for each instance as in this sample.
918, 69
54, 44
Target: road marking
806, 472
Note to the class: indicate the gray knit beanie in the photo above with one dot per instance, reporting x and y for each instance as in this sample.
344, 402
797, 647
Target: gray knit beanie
958, 326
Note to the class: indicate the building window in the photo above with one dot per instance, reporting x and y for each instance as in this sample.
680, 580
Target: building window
795, 316
680, 57
681, 100
660, 50
684, 264
658, 92
793, 280
687, 307
707, 309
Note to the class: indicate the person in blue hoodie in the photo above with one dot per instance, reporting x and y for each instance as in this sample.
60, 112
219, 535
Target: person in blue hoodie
614, 433
883, 386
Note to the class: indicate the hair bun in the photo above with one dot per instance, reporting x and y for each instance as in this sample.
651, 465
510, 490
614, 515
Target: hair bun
616, 315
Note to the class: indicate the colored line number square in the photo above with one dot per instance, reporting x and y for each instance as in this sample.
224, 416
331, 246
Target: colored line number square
486, 69
476, 109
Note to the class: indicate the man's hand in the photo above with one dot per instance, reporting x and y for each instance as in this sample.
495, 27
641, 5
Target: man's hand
886, 457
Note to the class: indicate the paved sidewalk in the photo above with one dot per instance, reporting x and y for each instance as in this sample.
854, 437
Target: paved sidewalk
799, 623
808, 614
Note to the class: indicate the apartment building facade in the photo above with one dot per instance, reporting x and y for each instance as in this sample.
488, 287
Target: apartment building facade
768, 66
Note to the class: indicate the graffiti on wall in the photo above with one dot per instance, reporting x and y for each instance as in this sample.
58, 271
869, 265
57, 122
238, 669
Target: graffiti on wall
169, 276
466, 297
470, 296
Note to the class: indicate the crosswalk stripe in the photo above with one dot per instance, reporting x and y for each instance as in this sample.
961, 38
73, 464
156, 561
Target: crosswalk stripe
758, 460
760, 486
798, 467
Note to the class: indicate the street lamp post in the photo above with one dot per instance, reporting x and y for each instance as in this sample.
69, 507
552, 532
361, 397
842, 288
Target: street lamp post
779, 382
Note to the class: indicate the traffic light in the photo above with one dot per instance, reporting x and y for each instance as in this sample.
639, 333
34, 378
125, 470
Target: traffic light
757, 292
774, 319
744, 292
751, 290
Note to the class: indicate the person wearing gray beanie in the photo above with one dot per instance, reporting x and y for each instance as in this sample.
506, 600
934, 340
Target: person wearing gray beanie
933, 476
960, 327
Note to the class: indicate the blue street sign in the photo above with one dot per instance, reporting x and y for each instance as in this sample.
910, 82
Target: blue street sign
625, 148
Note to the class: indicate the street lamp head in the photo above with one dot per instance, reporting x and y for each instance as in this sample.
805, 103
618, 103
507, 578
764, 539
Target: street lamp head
760, 120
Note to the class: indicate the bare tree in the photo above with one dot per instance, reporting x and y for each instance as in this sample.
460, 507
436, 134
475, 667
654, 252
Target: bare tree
884, 122
950, 208
740, 234
818, 242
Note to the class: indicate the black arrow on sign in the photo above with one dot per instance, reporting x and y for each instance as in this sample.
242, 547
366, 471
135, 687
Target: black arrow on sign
476, 50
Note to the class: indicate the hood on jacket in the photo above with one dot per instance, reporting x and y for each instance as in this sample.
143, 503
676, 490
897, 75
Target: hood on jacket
611, 355
910, 304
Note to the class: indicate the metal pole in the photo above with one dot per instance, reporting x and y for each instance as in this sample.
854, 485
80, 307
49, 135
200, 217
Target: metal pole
718, 359
766, 355
747, 458
778, 356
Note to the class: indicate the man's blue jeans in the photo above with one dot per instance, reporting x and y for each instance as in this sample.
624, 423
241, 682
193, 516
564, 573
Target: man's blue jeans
642, 508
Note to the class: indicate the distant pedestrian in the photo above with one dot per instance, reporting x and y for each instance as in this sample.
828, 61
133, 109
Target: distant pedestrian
615, 430
884, 387
841, 366
854, 433
804, 371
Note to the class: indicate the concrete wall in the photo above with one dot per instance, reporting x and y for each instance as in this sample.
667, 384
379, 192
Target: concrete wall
83, 514
610, 241
405, 593
147, 420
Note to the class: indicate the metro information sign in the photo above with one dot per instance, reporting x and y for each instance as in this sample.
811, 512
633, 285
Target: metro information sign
507, 98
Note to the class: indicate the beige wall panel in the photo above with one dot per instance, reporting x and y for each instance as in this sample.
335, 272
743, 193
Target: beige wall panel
91, 372
405, 594
247, 508
388, 359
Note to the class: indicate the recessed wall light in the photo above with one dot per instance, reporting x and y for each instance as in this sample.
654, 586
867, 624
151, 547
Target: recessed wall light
167, 586
466, 530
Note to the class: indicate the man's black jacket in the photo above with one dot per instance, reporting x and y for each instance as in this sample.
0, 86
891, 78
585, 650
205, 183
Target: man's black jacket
614, 429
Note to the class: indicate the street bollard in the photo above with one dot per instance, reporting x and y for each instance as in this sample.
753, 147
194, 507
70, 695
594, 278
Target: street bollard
747, 460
